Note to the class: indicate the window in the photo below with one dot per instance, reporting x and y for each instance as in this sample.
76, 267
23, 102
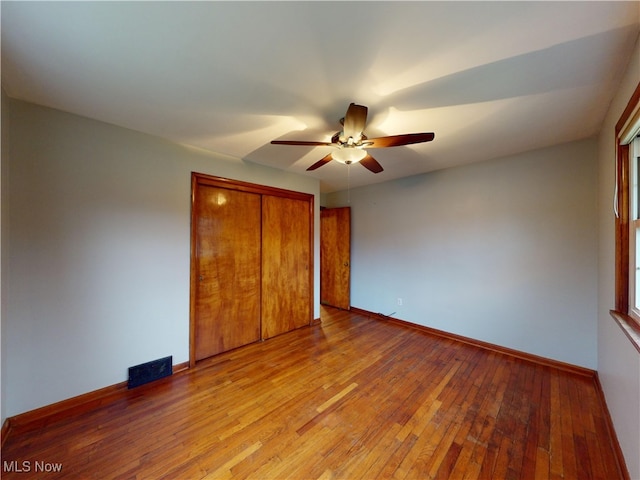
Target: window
634, 229
627, 209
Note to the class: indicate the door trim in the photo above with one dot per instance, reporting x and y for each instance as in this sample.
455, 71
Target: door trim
198, 179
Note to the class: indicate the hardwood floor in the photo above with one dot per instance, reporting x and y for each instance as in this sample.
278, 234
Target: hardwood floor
352, 397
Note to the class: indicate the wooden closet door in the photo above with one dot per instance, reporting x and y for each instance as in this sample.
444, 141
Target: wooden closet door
286, 257
227, 294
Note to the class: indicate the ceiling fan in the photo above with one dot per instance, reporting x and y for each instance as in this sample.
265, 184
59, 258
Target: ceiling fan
351, 142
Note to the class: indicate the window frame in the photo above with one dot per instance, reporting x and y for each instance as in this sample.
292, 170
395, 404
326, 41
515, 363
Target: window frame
623, 205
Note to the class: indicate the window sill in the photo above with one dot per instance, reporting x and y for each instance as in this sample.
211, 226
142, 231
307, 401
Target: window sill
628, 326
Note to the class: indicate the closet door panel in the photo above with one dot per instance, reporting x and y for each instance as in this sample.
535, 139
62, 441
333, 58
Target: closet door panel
286, 257
227, 303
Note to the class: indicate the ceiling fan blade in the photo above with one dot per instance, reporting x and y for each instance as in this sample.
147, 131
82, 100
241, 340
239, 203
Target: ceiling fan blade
321, 162
371, 164
398, 140
355, 121
303, 143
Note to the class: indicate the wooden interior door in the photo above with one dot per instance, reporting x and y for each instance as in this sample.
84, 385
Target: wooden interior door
335, 257
226, 273
286, 264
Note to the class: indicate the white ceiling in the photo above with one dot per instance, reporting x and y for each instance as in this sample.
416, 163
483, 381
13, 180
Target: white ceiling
490, 79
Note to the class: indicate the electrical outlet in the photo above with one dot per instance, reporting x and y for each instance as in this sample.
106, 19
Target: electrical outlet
399, 301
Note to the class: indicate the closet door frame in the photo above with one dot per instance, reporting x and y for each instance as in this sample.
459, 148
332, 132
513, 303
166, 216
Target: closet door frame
198, 179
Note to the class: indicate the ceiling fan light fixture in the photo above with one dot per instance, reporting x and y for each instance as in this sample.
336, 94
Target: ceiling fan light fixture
351, 142
349, 154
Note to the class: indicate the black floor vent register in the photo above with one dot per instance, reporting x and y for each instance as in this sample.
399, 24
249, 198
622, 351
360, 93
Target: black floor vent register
150, 371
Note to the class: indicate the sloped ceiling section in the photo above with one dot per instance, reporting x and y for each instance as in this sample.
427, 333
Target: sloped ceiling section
490, 79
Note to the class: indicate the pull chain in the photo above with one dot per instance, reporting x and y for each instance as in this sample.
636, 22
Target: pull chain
349, 183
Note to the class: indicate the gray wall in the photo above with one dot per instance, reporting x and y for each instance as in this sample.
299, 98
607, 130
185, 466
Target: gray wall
96, 250
503, 251
618, 360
